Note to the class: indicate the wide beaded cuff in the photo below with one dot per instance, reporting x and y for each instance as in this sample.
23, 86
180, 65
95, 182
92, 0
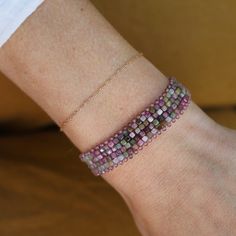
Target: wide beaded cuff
140, 131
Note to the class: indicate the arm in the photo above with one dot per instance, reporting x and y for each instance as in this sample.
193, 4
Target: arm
60, 55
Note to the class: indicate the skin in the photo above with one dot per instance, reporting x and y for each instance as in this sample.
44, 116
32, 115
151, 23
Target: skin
181, 184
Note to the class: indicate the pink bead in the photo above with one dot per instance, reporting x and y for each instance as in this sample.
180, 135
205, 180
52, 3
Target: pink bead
140, 142
110, 144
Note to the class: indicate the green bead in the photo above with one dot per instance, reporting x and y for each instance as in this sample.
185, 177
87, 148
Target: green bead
152, 110
178, 91
132, 141
123, 142
130, 129
172, 115
142, 126
139, 122
156, 122
126, 154
125, 132
166, 99
168, 104
127, 145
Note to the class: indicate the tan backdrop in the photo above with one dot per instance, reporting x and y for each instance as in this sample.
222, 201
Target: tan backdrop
193, 40
44, 188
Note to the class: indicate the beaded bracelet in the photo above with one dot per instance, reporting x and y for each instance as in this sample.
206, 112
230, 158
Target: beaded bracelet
140, 131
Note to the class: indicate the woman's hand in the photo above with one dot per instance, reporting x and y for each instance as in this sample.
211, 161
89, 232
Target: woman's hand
183, 183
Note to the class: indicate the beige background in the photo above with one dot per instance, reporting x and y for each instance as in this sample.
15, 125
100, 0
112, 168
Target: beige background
193, 40
44, 188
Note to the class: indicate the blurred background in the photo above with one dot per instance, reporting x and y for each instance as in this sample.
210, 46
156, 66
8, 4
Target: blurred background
44, 188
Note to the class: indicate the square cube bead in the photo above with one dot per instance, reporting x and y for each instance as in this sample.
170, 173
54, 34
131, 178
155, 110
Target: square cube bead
110, 144
132, 142
141, 126
159, 111
143, 118
150, 119
140, 142
132, 134
123, 142
137, 130
134, 125
156, 122
145, 138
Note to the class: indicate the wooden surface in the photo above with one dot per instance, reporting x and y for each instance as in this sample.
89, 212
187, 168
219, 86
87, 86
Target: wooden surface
46, 191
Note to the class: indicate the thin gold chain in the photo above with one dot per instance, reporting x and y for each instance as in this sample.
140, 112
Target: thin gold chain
99, 89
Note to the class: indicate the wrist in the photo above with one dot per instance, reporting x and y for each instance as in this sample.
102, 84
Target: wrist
119, 102
166, 156
75, 66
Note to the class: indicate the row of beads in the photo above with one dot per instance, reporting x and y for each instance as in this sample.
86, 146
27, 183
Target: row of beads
140, 131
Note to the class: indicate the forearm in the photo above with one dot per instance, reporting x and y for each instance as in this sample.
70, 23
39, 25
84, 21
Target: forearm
64, 52
61, 54
174, 186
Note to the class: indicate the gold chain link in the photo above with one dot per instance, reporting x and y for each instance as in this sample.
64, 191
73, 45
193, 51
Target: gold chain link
99, 89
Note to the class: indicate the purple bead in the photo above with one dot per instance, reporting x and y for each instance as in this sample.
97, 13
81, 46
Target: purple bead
151, 126
96, 152
95, 172
147, 114
118, 152
116, 140
121, 136
155, 115
132, 134
142, 133
109, 151
113, 155
174, 106
140, 142
111, 144
134, 126
165, 114
161, 103
143, 118
169, 110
